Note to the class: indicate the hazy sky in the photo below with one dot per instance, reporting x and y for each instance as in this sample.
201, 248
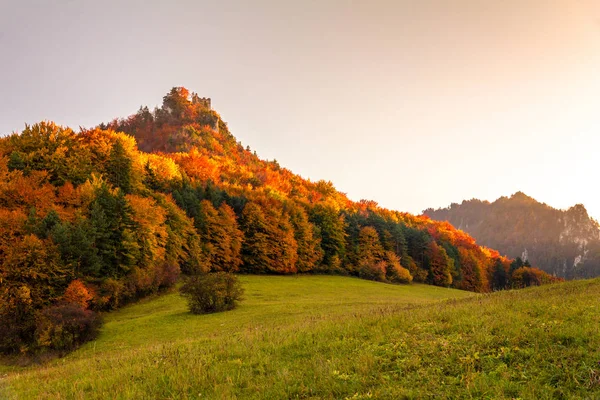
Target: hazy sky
413, 104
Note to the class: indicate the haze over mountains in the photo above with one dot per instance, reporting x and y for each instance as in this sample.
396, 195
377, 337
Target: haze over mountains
565, 243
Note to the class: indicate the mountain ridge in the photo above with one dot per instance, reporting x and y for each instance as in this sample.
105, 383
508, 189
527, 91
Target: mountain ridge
563, 242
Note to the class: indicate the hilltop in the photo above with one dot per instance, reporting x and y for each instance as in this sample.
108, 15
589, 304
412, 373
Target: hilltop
565, 243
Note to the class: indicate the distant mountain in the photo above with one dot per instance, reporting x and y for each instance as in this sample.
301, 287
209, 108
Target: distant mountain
565, 243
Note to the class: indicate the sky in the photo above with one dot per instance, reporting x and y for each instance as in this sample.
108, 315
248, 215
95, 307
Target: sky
413, 104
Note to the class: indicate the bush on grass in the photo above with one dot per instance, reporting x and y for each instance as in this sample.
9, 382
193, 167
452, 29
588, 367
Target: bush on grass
210, 293
65, 326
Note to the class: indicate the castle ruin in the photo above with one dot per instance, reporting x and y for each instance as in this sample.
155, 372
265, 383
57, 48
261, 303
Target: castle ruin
204, 101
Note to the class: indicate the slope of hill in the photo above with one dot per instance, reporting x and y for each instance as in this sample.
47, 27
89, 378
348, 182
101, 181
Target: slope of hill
88, 222
337, 337
565, 243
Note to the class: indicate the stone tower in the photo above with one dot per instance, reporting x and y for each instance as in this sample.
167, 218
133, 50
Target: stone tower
205, 101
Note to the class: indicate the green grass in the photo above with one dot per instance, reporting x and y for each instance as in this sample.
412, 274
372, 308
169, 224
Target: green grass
335, 337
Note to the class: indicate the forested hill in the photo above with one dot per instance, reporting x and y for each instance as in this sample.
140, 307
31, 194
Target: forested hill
561, 242
89, 219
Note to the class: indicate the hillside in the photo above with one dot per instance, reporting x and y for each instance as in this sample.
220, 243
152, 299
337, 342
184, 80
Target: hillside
89, 222
336, 337
565, 243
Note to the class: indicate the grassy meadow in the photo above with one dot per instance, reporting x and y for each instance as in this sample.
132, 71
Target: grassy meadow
336, 337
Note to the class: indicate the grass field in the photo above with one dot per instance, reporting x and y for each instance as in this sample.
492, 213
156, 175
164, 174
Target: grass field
336, 337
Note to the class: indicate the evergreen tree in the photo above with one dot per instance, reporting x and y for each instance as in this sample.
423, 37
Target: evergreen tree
119, 167
416, 245
75, 242
500, 277
211, 233
150, 178
516, 264
354, 222
255, 247
45, 225
16, 161
333, 236
110, 217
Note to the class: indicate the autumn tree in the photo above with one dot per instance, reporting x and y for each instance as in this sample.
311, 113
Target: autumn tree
150, 228
269, 244
51, 148
183, 242
32, 278
229, 249
77, 293
35, 263
472, 271
221, 238
370, 255
255, 247
306, 235
17, 316
439, 265
394, 271
283, 245
176, 101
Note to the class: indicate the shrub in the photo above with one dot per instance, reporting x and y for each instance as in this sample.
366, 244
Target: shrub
395, 272
140, 281
372, 270
17, 324
209, 293
113, 293
418, 274
65, 326
531, 276
167, 274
